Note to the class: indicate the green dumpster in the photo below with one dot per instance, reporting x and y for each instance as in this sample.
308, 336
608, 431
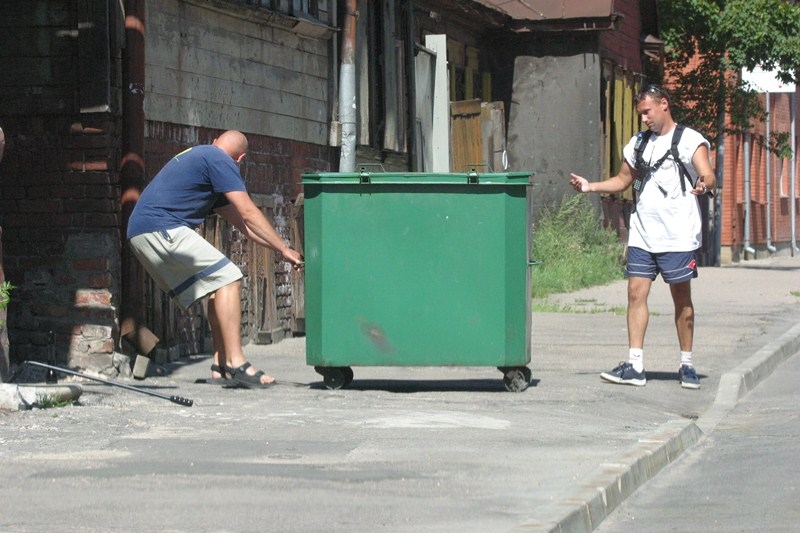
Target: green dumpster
413, 269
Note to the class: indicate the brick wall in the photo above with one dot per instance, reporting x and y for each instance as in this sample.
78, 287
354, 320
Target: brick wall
733, 196
59, 212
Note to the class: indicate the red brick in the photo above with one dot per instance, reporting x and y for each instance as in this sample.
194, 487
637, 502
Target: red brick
92, 297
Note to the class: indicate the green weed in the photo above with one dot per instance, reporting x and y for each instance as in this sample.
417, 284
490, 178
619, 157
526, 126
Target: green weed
575, 251
46, 401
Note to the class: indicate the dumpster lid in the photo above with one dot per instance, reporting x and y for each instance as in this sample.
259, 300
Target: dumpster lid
419, 178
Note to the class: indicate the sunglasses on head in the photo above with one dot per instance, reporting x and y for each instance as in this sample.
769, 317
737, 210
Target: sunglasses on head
653, 90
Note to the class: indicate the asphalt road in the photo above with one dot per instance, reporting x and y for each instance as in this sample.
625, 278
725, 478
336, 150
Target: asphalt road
745, 476
411, 449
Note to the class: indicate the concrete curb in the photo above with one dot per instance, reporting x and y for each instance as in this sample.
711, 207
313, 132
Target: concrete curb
582, 508
734, 385
14, 397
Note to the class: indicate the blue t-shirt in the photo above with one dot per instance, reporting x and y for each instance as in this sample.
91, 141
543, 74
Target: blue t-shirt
186, 190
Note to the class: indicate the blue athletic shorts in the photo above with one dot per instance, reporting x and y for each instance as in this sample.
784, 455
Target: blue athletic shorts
674, 267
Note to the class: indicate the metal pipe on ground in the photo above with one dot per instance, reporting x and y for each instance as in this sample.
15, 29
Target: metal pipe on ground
171, 397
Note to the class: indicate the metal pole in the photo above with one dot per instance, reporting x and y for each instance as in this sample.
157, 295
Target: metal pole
770, 246
171, 397
747, 201
347, 90
411, 84
792, 177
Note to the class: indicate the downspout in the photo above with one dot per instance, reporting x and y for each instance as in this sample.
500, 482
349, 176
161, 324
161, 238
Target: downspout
747, 201
411, 91
132, 179
792, 174
334, 130
347, 90
770, 246
719, 172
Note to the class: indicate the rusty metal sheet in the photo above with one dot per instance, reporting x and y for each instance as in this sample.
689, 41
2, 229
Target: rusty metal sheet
543, 10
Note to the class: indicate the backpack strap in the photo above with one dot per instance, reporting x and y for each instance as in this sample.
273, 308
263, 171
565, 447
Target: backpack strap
640, 167
642, 138
676, 138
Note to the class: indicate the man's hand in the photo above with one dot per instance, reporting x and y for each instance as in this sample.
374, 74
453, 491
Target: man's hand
700, 188
295, 258
579, 183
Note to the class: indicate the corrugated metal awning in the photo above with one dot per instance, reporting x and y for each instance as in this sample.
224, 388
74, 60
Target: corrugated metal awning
556, 14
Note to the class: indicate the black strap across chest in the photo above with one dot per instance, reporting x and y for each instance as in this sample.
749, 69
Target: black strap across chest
643, 137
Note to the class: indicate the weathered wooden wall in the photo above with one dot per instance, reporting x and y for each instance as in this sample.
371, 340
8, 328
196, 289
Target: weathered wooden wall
233, 68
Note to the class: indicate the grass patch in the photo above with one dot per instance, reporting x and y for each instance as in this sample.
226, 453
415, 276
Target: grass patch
544, 305
573, 249
46, 401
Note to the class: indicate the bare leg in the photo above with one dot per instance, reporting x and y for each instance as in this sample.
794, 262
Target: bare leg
684, 314
225, 318
220, 358
638, 312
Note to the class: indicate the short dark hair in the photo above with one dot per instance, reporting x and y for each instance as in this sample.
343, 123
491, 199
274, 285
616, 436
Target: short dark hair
652, 90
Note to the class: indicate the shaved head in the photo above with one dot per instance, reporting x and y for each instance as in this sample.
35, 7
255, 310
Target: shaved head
233, 143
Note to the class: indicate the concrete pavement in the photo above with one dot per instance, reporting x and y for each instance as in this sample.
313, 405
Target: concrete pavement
405, 448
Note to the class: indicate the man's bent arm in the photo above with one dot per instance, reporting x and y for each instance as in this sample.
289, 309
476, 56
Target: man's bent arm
248, 218
616, 184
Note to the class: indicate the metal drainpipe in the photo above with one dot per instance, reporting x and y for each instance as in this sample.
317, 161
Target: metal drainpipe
411, 115
770, 246
792, 176
347, 90
747, 200
132, 176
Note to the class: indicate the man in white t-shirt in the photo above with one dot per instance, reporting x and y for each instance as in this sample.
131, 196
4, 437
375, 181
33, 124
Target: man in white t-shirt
665, 228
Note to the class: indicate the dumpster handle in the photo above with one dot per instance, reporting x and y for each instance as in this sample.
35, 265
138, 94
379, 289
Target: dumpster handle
379, 165
473, 165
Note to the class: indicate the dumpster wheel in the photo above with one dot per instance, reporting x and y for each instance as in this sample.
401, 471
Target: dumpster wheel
516, 378
335, 377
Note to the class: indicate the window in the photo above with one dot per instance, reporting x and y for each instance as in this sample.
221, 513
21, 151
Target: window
287, 7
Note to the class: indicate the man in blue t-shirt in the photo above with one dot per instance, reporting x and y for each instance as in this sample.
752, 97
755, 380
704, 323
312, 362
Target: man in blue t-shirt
161, 233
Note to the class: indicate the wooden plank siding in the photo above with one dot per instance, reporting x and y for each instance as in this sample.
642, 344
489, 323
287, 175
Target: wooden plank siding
478, 137
465, 132
298, 281
219, 70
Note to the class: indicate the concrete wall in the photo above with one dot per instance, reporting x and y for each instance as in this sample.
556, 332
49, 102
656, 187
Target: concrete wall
554, 123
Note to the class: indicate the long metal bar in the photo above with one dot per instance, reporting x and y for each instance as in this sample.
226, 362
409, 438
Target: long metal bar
171, 397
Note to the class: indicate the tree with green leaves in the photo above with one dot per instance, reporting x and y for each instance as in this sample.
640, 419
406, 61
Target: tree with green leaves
708, 43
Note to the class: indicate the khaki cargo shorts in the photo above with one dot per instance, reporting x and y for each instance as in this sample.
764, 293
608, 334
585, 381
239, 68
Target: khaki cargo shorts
183, 264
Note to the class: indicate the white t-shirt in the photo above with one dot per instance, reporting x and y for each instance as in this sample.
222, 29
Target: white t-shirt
666, 219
